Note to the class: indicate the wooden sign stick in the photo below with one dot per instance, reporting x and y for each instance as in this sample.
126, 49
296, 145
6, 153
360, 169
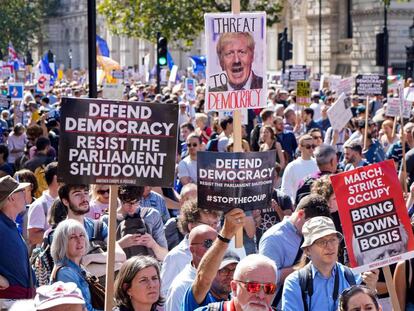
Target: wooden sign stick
391, 288
110, 260
237, 129
366, 123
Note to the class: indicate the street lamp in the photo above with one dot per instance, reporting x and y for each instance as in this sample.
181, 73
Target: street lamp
410, 53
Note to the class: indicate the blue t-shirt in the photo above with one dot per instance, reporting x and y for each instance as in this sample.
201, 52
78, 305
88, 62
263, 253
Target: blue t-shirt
189, 303
14, 258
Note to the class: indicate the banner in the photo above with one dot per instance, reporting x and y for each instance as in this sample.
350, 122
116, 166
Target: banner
236, 67
371, 85
117, 142
227, 180
43, 83
375, 222
190, 85
340, 112
303, 93
16, 91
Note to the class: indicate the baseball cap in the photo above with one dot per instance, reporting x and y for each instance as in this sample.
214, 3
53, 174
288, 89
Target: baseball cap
229, 258
59, 293
316, 228
8, 186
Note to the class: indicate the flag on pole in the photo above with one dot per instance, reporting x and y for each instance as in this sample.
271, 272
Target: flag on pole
199, 64
12, 52
170, 60
101, 47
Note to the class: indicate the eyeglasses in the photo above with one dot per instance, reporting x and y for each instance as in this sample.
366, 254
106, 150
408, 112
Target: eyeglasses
192, 145
226, 271
206, 243
324, 243
309, 146
102, 191
255, 287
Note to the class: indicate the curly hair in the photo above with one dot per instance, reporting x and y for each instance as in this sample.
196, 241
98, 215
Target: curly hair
190, 213
323, 187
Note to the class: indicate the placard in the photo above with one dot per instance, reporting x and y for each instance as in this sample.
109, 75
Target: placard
244, 115
117, 142
297, 72
4, 102
375, 222
303, 93
236, 67
16, 91
345, 86
393, 108
113, 90
190, 85
227, 180
340, 112
43, 83
371, 85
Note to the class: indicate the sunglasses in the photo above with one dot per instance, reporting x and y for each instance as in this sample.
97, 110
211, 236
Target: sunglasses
255, 287
206, 243
102, 191
192, 145
309, 146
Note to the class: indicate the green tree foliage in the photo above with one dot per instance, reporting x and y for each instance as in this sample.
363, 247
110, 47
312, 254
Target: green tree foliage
176, 19
21, 20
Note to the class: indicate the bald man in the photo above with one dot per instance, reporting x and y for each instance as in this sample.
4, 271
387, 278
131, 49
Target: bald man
200, 239
253, 286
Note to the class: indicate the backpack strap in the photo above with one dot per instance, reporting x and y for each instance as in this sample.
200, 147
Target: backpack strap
97, 230
349, 276
54, 273
306, 285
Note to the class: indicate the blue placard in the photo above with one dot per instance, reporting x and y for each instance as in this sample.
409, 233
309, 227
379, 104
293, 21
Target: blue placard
16, 91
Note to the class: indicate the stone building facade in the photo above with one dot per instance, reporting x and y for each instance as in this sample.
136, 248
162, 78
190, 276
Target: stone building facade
348, 36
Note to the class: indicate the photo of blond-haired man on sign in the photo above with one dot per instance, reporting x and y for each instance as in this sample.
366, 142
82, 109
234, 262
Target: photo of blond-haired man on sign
235, 51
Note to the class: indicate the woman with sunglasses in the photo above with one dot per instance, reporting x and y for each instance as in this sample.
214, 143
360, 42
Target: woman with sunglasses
137, 286
99, 201
359, 297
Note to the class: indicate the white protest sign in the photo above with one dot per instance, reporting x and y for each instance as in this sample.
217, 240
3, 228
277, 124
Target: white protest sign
345, 86
43, 83
393, 108
409, 94
334, 81
173, 73
113, 90
340, 113
235, 71
190, 88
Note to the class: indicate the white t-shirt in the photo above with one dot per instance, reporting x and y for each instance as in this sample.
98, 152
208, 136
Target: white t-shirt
294, 172
188, 168
179, 287
96, 209
37, 217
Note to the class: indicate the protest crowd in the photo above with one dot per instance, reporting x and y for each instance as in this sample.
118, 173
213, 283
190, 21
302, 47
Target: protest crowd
173, 255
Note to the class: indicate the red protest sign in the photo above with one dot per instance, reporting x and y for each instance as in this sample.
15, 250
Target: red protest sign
375, 222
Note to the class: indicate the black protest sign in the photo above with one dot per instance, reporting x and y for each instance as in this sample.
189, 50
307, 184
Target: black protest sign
297, 73
4, 102
117, 142
371, 85
227, 180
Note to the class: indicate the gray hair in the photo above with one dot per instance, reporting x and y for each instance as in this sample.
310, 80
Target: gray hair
324, 154
61, 235
253, 260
